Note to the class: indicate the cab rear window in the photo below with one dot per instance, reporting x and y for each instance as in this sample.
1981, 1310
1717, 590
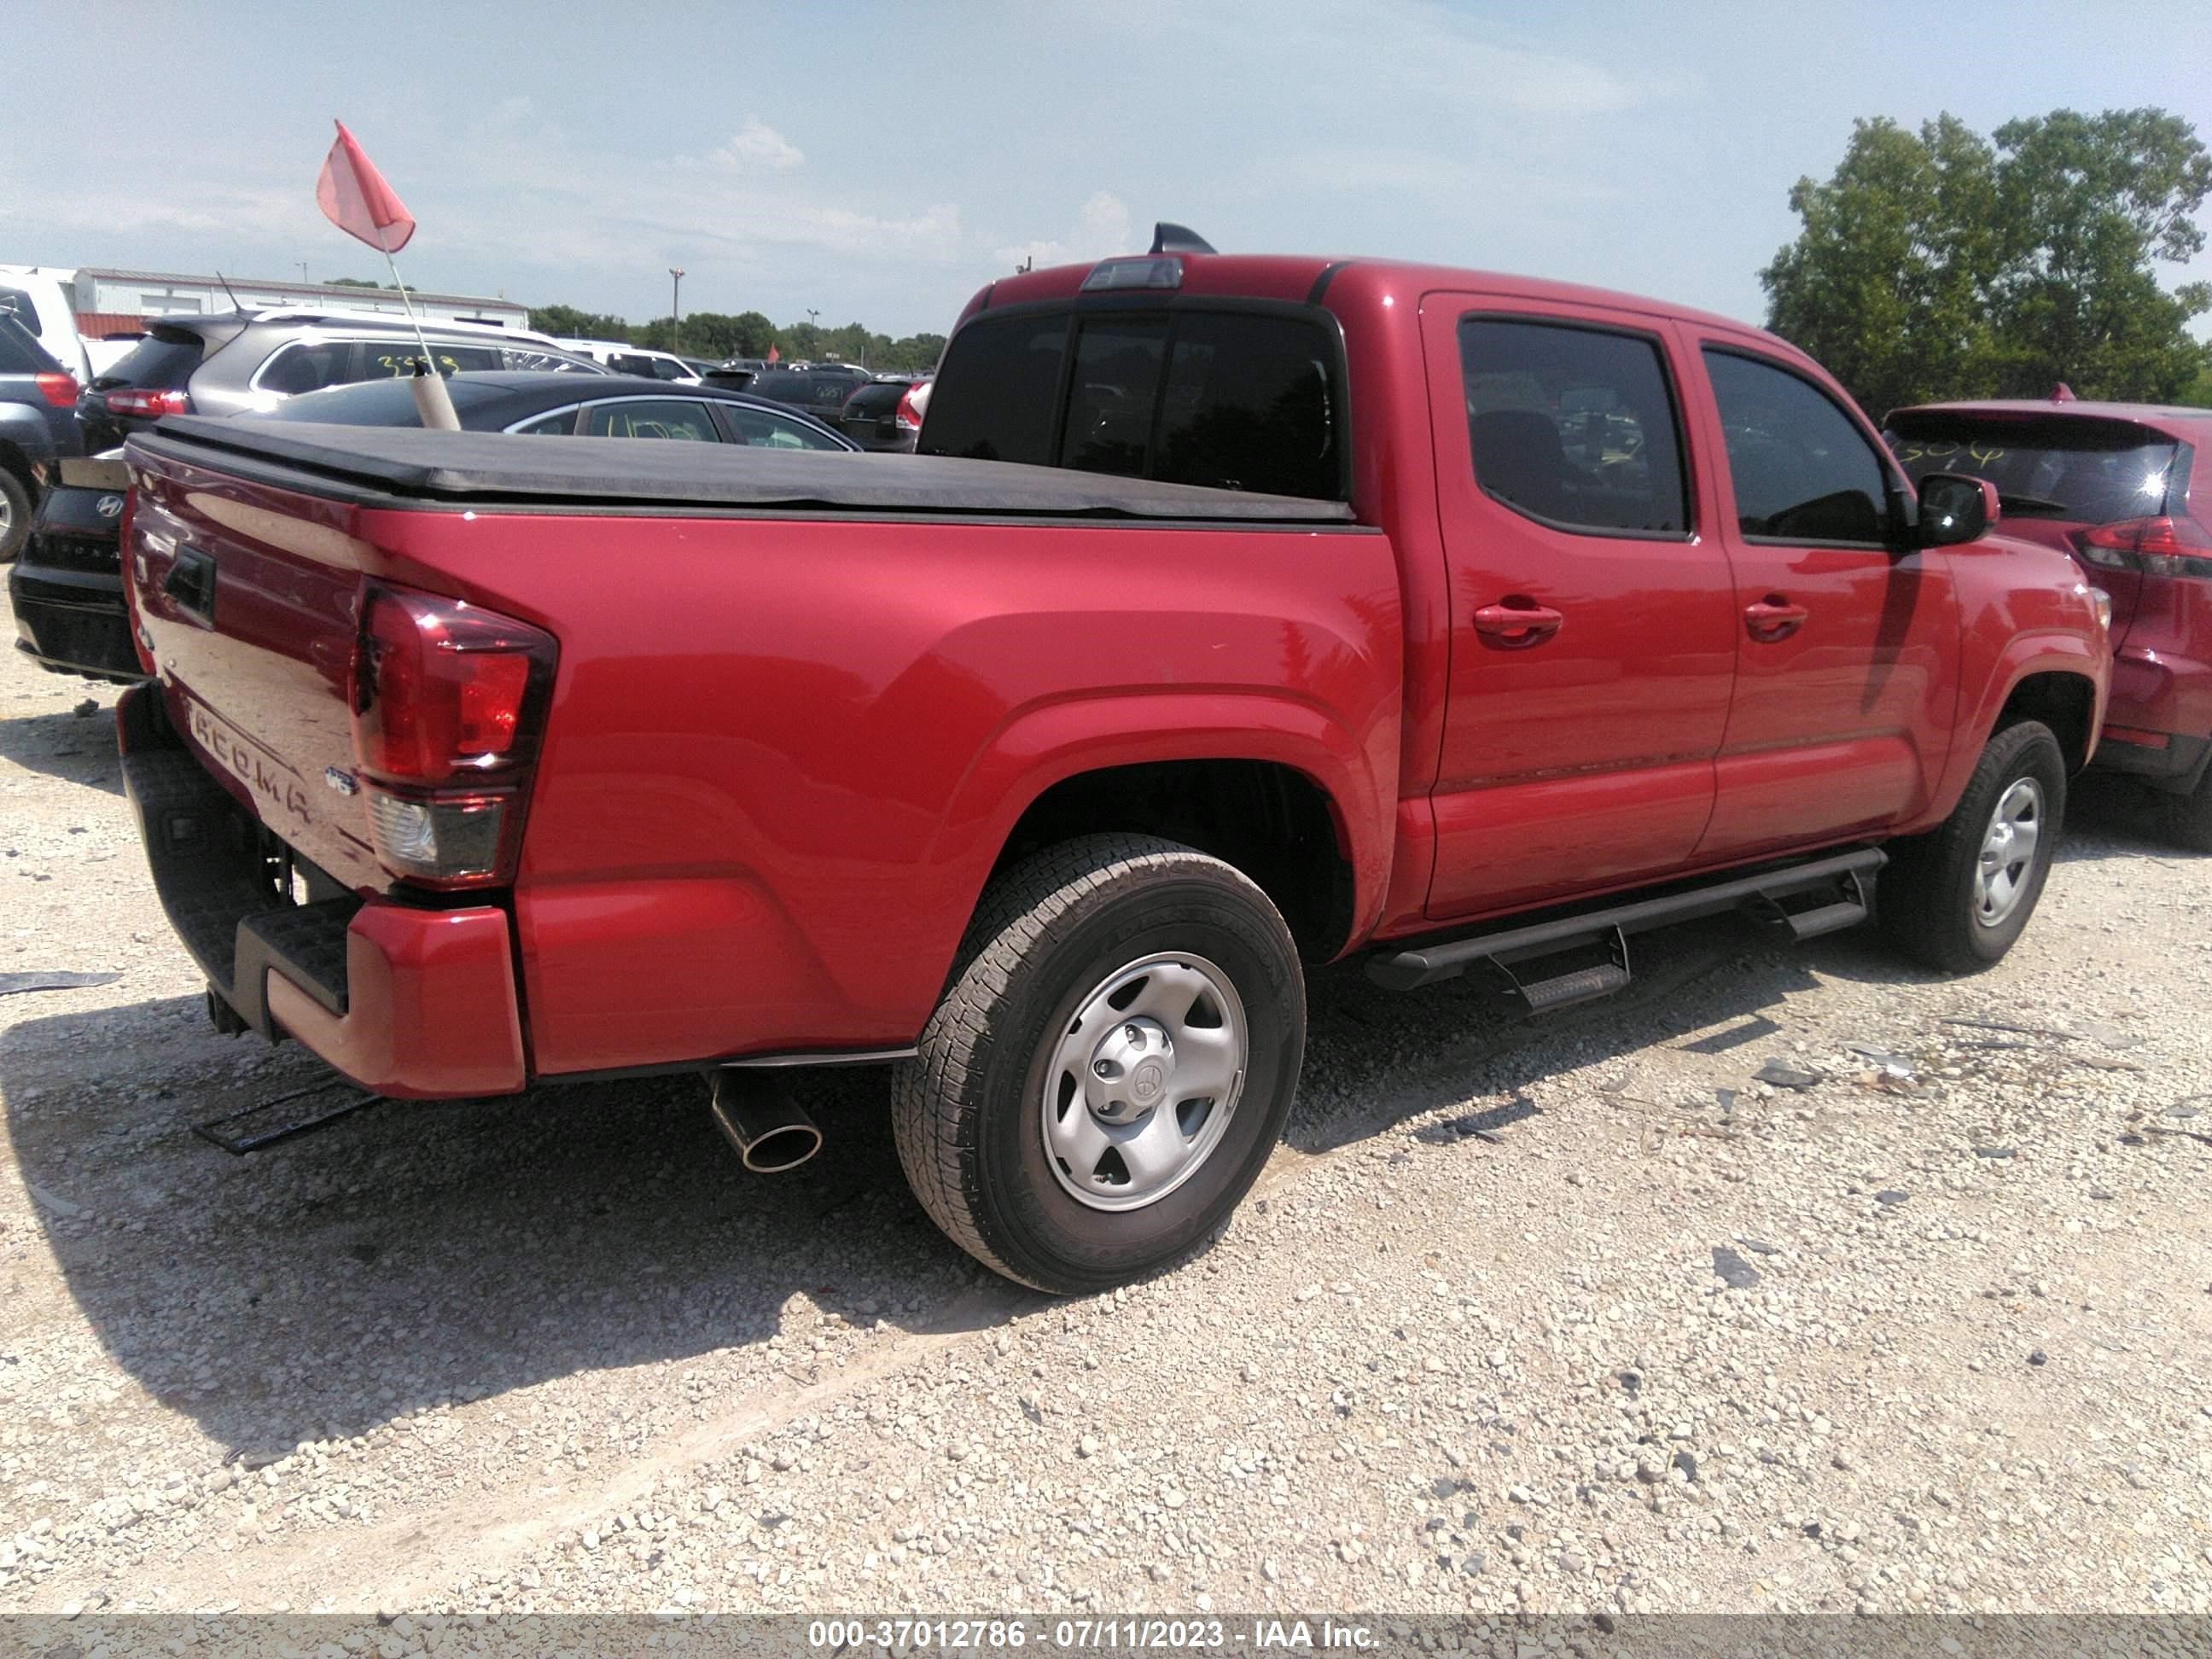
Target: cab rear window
2080, 471
1227, 399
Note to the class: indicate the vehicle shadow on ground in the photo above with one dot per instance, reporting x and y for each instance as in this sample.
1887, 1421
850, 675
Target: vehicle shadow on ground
415, 1252
75, 748
2111, 817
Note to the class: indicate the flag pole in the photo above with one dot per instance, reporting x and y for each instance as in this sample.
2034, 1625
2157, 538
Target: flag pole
433, 402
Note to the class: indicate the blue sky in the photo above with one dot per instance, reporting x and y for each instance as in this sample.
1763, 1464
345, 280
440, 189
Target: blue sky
878, 162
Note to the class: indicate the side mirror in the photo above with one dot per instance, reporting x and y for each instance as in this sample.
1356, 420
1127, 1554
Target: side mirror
1955, 509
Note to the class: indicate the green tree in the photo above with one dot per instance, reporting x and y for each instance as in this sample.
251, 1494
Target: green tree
351, 281
570, 323
1941, 265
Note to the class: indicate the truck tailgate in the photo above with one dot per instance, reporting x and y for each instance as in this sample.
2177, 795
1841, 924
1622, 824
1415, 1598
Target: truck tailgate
247, 597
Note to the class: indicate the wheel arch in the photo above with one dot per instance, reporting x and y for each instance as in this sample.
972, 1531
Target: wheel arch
1272, 786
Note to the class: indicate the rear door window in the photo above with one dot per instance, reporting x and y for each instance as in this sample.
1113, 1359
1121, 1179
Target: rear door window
758, 426
308, 366
1574, 426
651, 417
2082, 471
1800, 468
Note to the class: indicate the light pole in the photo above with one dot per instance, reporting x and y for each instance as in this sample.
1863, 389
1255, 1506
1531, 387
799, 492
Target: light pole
814, 321
676, 307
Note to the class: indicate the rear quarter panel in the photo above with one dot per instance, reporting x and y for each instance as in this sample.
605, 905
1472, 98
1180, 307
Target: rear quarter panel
782, 756
2027, 610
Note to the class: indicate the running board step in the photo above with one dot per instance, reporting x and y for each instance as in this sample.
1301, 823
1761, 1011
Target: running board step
1844, 879
1583, 985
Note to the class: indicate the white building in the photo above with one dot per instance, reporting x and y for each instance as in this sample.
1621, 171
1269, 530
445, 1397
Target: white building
110, 302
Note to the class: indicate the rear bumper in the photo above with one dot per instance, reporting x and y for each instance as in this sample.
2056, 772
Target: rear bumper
2158, 721
412, 1003
73, 621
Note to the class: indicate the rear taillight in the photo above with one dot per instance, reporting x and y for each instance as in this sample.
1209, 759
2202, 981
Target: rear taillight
2163, 546
447, 701
59, 390
908, 417
147, 404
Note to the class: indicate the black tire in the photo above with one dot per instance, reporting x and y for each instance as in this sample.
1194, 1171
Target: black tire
2188, 818
1928, 895
14, 514
967, 1111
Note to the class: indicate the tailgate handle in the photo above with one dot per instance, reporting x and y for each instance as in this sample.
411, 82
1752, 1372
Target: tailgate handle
191, 583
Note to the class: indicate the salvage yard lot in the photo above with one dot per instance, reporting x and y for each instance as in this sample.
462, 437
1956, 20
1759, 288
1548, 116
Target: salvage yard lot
1569, 1316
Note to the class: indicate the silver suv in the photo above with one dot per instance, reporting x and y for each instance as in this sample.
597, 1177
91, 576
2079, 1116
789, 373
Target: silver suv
236, 362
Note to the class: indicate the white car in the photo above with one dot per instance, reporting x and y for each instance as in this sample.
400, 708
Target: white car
626, 359
40, 297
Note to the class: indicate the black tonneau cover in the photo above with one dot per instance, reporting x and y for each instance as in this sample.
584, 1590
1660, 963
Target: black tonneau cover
483, 469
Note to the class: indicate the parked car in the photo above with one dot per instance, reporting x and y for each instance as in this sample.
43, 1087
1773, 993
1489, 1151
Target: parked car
883, 414
39, 298
38, 427
1303, 636
67, 588
820, 387
543, 404
735, 372
2125, 489
234, 361
622, 358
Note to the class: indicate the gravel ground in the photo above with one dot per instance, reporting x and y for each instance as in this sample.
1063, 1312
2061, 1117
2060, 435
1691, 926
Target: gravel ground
1576, 1315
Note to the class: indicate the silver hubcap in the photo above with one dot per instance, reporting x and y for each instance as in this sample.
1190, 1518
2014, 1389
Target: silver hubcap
1139, 1087
2008, 852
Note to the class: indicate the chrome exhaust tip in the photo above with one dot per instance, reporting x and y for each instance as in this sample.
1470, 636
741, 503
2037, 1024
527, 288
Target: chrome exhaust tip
757, 1115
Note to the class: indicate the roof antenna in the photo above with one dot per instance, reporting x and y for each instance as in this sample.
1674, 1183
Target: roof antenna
1178, 238
225, 281
2061, 393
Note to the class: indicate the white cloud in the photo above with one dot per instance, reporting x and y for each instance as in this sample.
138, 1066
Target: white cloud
1101, 227
757, 148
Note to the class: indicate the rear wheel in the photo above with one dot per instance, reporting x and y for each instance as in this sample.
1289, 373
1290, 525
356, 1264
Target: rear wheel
1957, 897
14, 514
1111, 1067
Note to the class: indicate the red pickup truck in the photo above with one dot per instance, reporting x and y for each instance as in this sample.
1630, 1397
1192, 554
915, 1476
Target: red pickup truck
1239, 612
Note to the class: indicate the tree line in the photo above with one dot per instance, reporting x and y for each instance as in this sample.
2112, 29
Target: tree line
718, 335
1941, 263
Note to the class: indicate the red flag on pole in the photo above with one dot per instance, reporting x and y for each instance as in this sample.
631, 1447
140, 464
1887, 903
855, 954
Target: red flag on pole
774, 356
353, 196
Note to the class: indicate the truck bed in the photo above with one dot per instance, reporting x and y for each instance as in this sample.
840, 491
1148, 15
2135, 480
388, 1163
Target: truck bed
404, 466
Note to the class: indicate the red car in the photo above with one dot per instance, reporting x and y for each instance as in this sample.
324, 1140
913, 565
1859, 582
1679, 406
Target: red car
2122, 488
1450, 620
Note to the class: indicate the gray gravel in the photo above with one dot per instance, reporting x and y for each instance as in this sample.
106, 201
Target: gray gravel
1572, 1317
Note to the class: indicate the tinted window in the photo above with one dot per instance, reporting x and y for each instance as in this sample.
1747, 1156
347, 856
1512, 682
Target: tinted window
306, 367
629, 363
19, 353
1110, 402
1575, 426
551, 362
651, 419
14, 299
162, 362
1800, 468
667, 369
561, 424
1248, 407
758, 426
995, 399
2085, 471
